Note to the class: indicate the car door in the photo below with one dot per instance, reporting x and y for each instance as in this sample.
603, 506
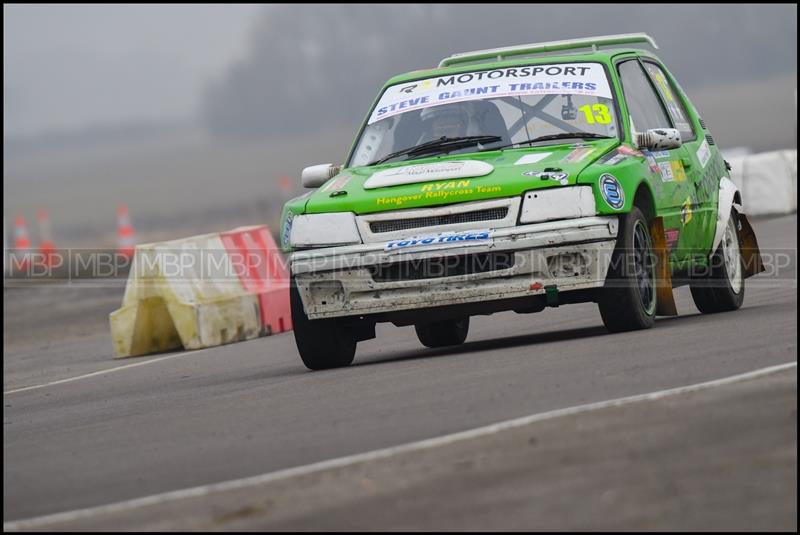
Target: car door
698, 212
667, 177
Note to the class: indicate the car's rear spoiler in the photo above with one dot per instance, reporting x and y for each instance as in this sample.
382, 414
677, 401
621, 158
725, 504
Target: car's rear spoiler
551, 46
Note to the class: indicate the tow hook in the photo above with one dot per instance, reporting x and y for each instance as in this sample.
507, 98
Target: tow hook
551, 294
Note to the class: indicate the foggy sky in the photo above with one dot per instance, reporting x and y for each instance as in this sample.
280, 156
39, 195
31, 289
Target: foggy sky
325, 64
271, 70
72, 66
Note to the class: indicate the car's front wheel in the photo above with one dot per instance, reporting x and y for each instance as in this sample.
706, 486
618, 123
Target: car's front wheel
722, 287
628, 300
443, 333
323, 344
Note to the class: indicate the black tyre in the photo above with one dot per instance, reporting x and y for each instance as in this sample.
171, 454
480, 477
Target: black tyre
443, 333
322, 344
721, 289
628, 300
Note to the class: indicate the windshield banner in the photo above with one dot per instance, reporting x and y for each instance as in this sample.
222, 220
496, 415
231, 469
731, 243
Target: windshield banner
563, 78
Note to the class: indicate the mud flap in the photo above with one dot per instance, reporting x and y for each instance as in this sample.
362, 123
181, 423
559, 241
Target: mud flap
748, 245
665, 301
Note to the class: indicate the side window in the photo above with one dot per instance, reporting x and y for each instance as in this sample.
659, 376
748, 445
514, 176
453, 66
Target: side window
644, 105
674, 105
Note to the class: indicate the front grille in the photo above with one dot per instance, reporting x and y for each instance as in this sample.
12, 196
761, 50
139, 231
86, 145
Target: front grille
703, 124
434, 221
443, 266
709, 139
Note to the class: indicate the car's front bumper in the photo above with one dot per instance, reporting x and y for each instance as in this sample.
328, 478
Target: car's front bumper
570, 255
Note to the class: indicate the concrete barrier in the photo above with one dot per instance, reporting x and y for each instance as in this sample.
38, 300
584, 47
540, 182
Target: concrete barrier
202, 291
262, 272
767, 181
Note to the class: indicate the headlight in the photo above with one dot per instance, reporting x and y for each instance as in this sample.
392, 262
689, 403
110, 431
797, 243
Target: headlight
557, 203
316, 230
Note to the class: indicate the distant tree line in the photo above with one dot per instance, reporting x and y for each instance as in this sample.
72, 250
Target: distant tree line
313, 65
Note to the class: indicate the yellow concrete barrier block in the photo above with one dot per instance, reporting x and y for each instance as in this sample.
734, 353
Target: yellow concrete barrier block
212, 324
143, 328
183, 294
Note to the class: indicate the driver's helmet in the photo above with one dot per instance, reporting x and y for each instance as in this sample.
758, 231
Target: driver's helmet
448, 120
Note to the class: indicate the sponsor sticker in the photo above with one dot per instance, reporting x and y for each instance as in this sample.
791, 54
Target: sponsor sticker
479, 237
629, 151
427, 172
671, 236
661, 154
686, 210
554, 79
704, 153
578, 154
666, 172
612, 191
440, 191
337, 183
651, 161
549, 175
287, 228
677, 170
443, 190
451, 184
615, 159
532, 158
398, 200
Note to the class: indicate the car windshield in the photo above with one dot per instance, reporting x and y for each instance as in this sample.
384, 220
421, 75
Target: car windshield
515, 104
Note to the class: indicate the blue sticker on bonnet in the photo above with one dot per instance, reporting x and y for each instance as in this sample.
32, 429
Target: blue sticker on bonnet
612, 191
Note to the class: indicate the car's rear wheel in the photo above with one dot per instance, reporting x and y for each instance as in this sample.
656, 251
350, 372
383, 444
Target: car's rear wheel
628, 300
323, 344
443, 333
722, 288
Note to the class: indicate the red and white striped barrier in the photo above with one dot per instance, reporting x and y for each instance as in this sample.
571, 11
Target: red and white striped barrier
202, 291
263, 273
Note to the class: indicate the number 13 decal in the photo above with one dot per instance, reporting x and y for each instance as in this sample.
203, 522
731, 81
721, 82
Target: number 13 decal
597, 113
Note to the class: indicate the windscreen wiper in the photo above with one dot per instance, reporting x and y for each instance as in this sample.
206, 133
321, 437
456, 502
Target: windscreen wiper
443, 144
562, 135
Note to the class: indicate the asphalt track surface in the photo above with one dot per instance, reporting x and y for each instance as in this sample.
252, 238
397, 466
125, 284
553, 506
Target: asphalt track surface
182, 420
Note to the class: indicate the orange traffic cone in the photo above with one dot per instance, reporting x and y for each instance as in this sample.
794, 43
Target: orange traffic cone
125, 236
22, 245
46, 246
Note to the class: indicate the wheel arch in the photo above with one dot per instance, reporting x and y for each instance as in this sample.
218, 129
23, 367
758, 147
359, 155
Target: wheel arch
644, 200
729, 197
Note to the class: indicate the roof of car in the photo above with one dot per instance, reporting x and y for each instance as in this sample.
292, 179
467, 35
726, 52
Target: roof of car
603, 56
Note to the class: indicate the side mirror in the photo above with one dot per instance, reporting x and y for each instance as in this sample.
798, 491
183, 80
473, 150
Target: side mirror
314, 176
659, 139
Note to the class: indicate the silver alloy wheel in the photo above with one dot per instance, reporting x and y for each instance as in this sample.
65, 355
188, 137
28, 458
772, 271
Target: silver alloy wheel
730, 251
644, 267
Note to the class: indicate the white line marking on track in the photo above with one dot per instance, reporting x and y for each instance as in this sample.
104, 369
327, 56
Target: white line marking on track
103, 372
204, 490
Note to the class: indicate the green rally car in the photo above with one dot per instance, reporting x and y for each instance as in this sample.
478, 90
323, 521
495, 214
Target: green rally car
515, 179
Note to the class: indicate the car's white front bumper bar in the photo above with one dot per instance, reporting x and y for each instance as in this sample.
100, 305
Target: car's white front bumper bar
570, 255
